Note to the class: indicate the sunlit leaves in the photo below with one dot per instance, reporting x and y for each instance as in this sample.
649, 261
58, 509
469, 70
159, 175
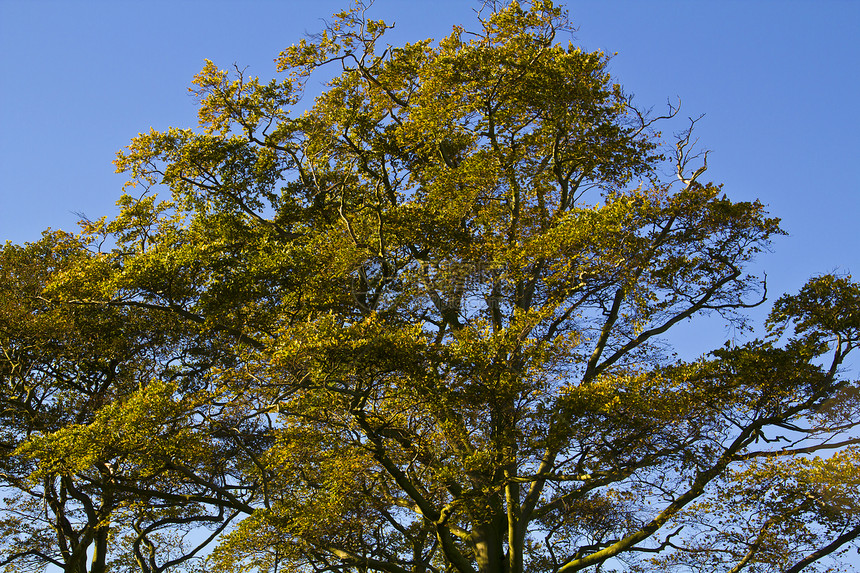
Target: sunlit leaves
144, 428
826, 306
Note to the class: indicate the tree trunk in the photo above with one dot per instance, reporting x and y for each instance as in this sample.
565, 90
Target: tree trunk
98, 564
488, 544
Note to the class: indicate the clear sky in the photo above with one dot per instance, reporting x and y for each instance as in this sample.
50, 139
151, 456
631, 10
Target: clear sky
776, 80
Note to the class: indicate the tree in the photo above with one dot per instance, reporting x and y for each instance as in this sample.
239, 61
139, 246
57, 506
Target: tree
418, 328
90, 425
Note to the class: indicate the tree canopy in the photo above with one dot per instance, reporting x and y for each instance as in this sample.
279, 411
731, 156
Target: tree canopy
419, 327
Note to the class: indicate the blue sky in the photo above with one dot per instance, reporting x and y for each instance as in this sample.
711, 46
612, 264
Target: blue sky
776, 80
